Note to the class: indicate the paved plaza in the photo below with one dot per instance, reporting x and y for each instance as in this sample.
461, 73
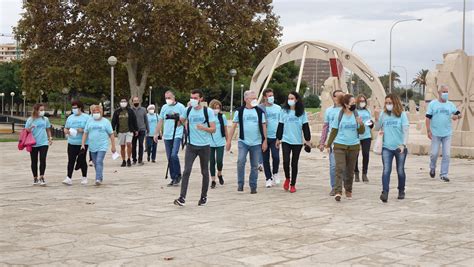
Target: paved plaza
131, 220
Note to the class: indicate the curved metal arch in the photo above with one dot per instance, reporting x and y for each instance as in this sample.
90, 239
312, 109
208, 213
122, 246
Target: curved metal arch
317, 50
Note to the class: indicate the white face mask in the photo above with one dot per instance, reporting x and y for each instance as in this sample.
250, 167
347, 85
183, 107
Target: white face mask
123, 104
362, 104
389, 107
291, 103
96, 116
216, 111
254, 103
75, 111
151, 111
194, 103
41, 113
169, 101
271, 99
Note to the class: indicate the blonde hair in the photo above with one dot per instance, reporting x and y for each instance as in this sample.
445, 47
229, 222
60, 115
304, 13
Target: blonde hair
214, 103
97, 107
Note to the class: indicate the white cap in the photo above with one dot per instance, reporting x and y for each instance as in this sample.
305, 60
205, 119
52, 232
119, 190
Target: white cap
151, 107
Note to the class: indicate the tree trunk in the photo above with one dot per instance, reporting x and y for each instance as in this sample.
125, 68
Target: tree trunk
136, 89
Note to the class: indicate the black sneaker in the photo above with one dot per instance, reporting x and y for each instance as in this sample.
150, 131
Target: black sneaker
178, 179
36, 181
253, 190
78, 166
129, 163
384, 196
221, 179
213, 184
180, 202
124, 164
444, 179
401, 195
432, 173
134, 162
240, 188
171, 183
148, 159
202, 201
140, 163
153, 161
356, 177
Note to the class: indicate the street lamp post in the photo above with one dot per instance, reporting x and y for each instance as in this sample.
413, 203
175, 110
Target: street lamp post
11, 109
65, 92
241, 94
149, 97
3, 96
352, 49
24, 103
390, 54
112, 62
232, 73
406, 82
41, 96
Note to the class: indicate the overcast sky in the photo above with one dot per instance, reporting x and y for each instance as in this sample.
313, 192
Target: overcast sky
416, 45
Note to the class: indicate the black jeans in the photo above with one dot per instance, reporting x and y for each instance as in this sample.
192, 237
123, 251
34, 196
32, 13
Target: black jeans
365, 147
43, 152
190, 155
140, 138
275, 152
76, 158
287, 151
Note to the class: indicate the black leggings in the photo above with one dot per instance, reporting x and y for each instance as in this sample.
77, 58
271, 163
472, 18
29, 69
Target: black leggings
287, 150
76, 158
43, 152
365, 147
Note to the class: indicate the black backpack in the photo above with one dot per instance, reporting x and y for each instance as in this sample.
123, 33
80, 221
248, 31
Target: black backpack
206, 120
341, 113
241, 122
220, 118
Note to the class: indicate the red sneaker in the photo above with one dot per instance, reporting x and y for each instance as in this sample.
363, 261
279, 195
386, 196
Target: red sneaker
292, 189
286, 185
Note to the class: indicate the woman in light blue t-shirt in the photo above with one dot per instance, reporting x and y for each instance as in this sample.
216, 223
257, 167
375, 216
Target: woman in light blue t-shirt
365, 138
218, 141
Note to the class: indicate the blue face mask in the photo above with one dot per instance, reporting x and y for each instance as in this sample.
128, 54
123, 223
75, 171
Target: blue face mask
271, 99
444, 96
75, 111
291, 103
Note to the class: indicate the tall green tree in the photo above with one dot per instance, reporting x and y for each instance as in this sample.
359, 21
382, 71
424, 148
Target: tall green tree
384, 79
420, 80
180, 44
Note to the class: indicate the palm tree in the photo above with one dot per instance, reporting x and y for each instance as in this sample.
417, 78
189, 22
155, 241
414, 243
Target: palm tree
420, 80
395, 79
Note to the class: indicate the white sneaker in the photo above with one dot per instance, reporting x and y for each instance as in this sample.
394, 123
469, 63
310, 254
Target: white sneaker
98, 182
276, 179
269, 183
84, 180
67, 181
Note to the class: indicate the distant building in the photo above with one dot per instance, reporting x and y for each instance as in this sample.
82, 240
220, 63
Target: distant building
9, 52
315, 73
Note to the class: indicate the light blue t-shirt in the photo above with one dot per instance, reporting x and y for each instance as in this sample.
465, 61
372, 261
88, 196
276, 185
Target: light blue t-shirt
217, 139
330, 115
98, 132
441, 122
251, 128
293, 127
168, 127
199, 137
365, 115
392, 127
75, 122
39, 131
272, 114
152, 121
347, 130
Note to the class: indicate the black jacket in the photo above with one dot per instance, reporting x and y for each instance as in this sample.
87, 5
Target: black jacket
132, 120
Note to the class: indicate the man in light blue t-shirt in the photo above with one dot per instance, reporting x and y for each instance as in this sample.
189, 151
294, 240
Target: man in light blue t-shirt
272, 115
200, 123
252, 139
441, 112
171, 116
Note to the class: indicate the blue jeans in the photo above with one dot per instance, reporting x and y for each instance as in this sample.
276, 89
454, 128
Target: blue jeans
173, 160
332, 169
387, 160
275, 157
255, 153
150, 148
446, 153
98, 160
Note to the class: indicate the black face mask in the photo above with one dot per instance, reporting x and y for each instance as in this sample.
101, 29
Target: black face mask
352, 107
136, 104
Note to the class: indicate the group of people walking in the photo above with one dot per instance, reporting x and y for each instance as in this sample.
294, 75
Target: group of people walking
262, 130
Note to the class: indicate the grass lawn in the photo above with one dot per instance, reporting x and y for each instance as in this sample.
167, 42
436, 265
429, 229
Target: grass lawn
8, 139
57, 121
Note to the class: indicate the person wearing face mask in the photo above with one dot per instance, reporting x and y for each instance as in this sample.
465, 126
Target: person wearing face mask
252, 139
152, 119
439, 116
74, 130
201, 124
124, 123
40, 127
171, 115
365, 138
293, 125
98, 131
345, 136
143, 130
272, 115
330, 115
218, 143
393, 123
